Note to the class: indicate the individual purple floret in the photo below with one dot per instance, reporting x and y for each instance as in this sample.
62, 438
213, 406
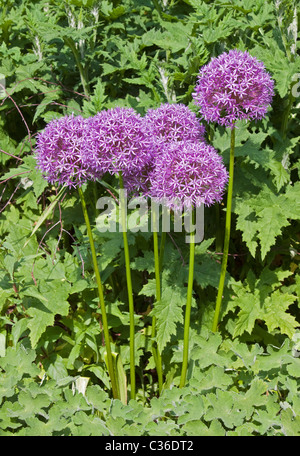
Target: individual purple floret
174, 122
63, 152
233, 86
121, 141
188, 174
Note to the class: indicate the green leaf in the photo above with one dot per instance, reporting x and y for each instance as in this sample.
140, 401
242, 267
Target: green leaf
275, 358
247, 355
264, 216
97, 397
262, 299
198, 428
254, 397
42, 309
193, 406
97, 100
250, 305
168, 312
267, 418
294, 368
290, 423
54, 365
205, 353
174, 38
46, 213
29, 406
145, 263
222, 407
120, 376
276, 315
272, 220
214, 377
85, 425
149, 289
208, 272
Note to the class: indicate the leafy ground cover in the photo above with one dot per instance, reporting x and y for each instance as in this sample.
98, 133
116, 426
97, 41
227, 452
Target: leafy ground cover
82, 56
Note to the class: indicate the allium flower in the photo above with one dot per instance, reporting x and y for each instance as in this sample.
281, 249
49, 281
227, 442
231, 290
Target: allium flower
121, 141
63, 152
174, 122
188, 174
233, 86
168, 123
139, 181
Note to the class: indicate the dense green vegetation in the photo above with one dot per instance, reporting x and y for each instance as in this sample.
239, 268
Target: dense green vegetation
83, 56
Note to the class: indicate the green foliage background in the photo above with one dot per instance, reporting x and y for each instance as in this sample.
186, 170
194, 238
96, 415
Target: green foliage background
82, 56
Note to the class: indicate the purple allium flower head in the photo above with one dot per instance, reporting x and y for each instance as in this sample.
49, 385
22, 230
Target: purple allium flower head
121, 141
139, 182
168, 123
174, 122
233, 86
188, 174
63, 153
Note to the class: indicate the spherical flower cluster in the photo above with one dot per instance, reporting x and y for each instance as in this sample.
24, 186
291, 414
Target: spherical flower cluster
174, 122
120, 140
233, 86
188, 174
63, 152
166, 124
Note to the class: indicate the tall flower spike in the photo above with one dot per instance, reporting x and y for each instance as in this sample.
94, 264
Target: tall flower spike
188, 174
124, 146
174, 122
233, 86
63, 152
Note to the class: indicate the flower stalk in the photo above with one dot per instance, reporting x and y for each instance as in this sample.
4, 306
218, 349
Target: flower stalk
158, 266
162, 249
129, 288
187, 317
227, 233
101, 297
82, 71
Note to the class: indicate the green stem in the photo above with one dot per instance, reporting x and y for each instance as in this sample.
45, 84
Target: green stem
82, 71
158, 8
95, 198
162, 249
129, 289
187, 317
218, 229
286, 114
156, 354
227, 233
101, 297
